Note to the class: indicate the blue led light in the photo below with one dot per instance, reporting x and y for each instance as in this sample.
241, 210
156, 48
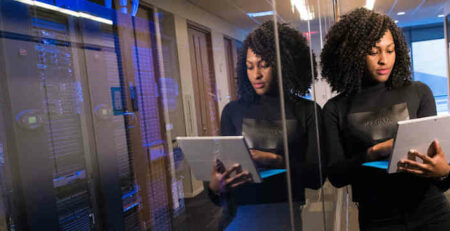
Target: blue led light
134, 191
260, 14
131, 206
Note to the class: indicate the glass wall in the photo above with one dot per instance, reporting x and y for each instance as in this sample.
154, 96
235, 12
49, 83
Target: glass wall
131, 115
422, 25
182, 114
428, 59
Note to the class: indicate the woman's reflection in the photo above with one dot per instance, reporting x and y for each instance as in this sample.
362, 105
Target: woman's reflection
366, 59
256, 115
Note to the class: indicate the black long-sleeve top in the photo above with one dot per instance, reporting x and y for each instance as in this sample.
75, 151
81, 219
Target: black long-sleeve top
260, 124
356, 122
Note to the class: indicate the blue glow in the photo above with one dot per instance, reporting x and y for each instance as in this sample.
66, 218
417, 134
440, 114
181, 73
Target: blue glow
134, 7
260, 14
129, 194
108, 4
154, 143
131, 206
383, 164
271, 172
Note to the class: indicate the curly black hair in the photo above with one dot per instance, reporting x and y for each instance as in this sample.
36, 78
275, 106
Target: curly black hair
295, 61
349, 41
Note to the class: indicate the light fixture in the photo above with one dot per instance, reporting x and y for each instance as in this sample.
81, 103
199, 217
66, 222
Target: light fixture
396, 21
369, 4
441, 16
95, 18
66, 11
401, 13
304, 11
260, 14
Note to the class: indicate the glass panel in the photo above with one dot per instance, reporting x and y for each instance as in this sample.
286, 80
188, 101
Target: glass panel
96, 95
432, 71
46, 144
232, 67
312, 19
420, 36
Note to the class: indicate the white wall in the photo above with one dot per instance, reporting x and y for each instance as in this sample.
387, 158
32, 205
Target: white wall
183, 12
187, 10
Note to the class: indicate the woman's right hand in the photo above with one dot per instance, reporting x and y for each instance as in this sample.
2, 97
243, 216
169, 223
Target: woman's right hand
380, 150
222, 181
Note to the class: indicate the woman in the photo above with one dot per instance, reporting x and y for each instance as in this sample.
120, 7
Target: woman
256, 115
366, 60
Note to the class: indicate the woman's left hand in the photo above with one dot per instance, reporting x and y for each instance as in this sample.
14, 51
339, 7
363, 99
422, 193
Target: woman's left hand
267, 159
434, 164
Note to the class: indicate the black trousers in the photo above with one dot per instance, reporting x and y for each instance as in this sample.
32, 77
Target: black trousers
432, 215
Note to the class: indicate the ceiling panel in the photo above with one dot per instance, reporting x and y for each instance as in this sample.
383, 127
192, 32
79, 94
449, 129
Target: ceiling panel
235, 11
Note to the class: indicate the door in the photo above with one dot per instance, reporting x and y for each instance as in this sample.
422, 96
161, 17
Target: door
203, 81
231, 50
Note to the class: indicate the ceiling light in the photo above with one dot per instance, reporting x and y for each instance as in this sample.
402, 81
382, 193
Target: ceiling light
369, 4
304, 11
441, 16
260, 14
396, 21
401, 13
66, 11
95, 18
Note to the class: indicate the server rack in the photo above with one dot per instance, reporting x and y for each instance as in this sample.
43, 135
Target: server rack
80, 147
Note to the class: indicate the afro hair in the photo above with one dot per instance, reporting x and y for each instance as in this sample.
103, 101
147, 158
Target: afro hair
350, 40
295, 61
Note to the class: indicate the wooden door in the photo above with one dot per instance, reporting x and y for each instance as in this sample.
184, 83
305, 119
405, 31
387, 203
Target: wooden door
231, 57
204, 82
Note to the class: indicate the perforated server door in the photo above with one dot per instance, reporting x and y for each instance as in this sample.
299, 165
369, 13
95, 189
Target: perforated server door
112, 123
82, 134
46, 152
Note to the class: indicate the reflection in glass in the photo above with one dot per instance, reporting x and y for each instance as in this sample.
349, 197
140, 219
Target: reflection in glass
256, 115
366, 60
94, 93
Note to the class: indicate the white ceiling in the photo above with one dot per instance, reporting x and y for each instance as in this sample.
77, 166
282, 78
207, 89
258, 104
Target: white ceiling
417, 12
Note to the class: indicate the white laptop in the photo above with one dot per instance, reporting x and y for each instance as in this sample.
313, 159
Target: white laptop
201, 152
417, 134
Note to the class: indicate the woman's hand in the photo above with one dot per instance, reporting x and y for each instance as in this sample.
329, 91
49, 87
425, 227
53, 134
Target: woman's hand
222, 181
434, 164
380, 150
267, 159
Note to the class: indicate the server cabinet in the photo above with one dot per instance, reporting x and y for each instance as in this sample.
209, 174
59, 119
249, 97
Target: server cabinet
45, 149
81, 130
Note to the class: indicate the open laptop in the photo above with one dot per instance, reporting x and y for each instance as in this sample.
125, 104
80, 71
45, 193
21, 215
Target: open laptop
416, 134
201, 152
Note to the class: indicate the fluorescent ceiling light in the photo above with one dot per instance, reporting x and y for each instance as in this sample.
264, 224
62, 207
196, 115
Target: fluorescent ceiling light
260, 14
95, 18
303, 9
401, 13
66, 11
369, 4
441, 16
